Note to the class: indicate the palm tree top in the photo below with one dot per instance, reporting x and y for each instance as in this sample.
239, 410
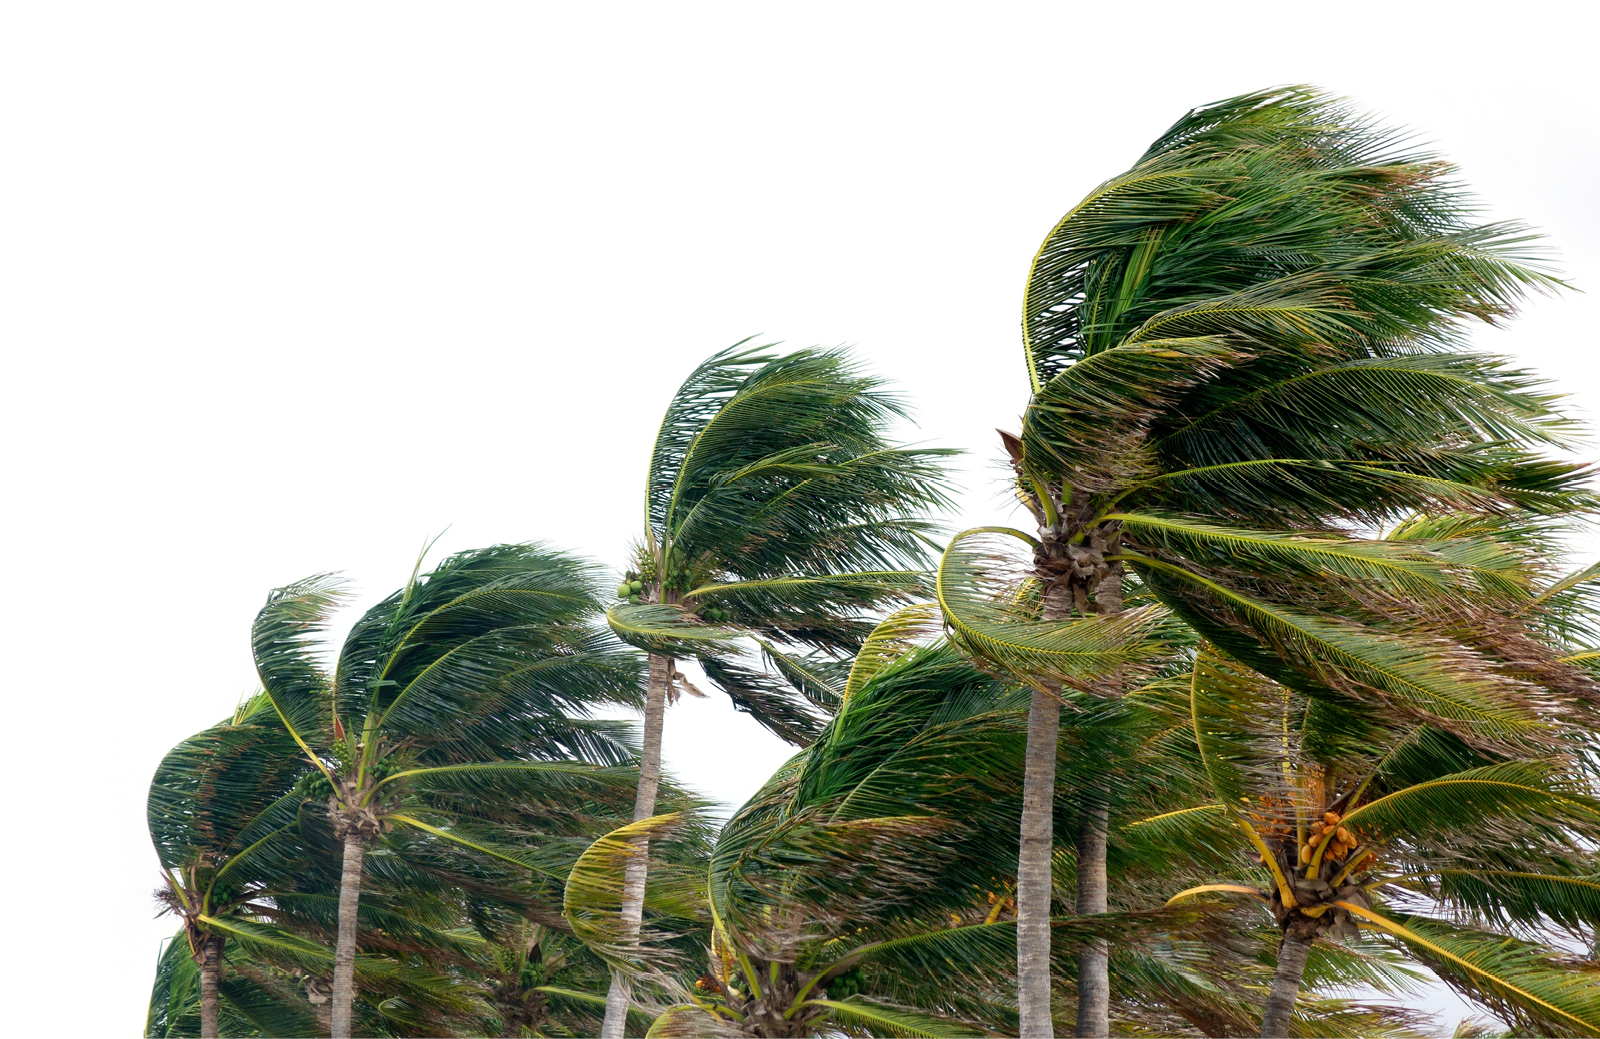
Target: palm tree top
757, 446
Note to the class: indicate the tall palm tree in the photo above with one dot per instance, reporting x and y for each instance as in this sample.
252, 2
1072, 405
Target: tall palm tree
775, 508
449, 703
1240, 351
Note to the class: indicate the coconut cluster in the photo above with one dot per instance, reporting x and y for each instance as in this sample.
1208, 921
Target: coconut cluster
631, 590
1339, 840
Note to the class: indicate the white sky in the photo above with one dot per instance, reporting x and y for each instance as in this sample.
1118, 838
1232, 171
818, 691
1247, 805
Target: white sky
288, 288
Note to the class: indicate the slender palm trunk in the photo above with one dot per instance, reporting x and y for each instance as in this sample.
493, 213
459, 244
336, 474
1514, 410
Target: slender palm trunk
1094, 974
1033, 867
344, 953
644, 806
210, 965
1094, 982
1285, 987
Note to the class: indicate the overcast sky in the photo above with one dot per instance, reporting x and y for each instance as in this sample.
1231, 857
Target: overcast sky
289, 288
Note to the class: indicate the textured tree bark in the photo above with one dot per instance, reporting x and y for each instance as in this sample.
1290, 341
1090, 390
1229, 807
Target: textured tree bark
210, 965
1033, 867
1094, 975
644, 806
344, 953
1285, 987
1094, 982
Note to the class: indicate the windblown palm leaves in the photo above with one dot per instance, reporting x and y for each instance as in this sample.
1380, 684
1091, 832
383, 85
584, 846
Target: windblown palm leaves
449, 710
250, 868
777, 508
222, 814
1249, 343
1417, 836
869, 888
849, 866
1240, 353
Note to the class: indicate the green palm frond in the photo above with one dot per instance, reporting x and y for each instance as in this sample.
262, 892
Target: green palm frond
1505, 896
1323, 656
592, 901
767, 601
1376, 399
890, 640
1538, 990
1065, 428
222, 789
819, 679
1537, 797
284, 640
982, 616
859, 1016
750, 432
1297, 491
1407, 567
668, 630
691, 1021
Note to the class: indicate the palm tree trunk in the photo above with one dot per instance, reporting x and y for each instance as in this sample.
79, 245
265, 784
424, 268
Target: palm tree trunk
344, 953
210, 965
1033, 867
1094, 982
1094, 975
644, 806
1285, 986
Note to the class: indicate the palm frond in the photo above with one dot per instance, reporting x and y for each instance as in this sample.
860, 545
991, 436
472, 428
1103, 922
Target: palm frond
980, 604
667, 629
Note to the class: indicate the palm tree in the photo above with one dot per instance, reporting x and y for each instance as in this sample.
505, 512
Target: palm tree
775, 508
1240, 351
221, 812
448, 705
242, 867
1408, 830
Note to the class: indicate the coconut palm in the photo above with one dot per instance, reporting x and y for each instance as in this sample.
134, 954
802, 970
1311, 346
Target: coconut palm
1407, 830
242, 863
451, 703
222, 812
777, 509
1240, 352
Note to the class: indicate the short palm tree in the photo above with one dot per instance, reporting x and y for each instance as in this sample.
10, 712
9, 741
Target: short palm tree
449, 703
775, 508
252, 998
1407, 830
1239, 352
221, 812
